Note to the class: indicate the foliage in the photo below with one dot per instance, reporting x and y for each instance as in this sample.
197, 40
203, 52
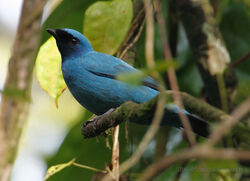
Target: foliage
106, 23
57, 168
48, 69
113, 19
97, 16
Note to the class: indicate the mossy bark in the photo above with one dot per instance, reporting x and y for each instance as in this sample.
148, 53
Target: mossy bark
16, 95
143, 113
209, 51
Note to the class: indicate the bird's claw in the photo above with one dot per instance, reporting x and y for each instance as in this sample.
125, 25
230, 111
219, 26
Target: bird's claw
95, 119
87, 122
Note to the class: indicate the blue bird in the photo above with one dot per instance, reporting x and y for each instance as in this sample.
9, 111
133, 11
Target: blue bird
91, 78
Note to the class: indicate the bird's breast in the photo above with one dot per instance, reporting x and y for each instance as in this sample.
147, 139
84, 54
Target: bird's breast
98, 94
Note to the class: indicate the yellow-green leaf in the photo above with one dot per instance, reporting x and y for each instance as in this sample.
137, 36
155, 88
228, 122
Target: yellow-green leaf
106, 24
57, 168
48, 69
132, 78
161, 66
136, 78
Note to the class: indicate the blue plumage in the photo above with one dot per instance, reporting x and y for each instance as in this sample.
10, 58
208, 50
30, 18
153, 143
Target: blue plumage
91, 78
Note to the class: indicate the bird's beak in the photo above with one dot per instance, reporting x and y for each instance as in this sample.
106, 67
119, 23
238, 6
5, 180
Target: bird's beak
52, 32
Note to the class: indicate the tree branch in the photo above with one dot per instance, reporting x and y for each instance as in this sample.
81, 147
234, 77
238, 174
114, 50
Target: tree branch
131, 38
153, 128
115, 154
171, 73
197, 152
226, 126
133, 34
209, 51
205, 150
17, 88
241, 60
143, 113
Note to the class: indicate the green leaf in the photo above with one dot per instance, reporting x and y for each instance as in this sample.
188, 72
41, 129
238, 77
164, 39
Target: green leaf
72, 13
132, 78
48, 69
135, 78
106, 24
57, 168
161, 66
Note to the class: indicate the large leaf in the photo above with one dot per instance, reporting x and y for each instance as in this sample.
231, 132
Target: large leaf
48, 62
68, 14
48, 69
106, 24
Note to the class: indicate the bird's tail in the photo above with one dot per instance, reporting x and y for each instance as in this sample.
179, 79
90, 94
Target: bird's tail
171, 118
198, 125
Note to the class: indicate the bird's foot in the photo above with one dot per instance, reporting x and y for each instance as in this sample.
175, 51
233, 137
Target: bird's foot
89, 121
96, 118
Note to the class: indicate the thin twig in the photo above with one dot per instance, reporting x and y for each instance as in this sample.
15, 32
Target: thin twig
171, 73
180, 170
161, 99
222, 91
133, 34
226, 125
162, 138
198, 152
149, 47
205, 150
147, 137
241, 60
115, 154
37, 12
88, 167
130, 40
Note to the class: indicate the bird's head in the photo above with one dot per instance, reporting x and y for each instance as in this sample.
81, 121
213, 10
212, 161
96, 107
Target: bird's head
70, 42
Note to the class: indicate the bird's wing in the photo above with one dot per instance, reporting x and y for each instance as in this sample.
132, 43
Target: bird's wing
109, 66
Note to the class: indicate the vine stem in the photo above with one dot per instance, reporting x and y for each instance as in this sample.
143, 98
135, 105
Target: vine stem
115, 153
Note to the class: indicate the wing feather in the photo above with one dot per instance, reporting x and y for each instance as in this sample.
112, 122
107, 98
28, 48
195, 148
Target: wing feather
112, 68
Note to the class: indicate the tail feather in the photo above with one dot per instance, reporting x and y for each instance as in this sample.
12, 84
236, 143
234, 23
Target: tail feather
171, 118
198, 125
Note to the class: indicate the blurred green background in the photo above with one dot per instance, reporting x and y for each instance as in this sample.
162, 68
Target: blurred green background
52, 136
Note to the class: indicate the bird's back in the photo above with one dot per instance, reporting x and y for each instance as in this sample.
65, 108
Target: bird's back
92, 81
91, 78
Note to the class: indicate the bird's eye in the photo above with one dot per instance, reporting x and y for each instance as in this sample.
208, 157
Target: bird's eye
74, 41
